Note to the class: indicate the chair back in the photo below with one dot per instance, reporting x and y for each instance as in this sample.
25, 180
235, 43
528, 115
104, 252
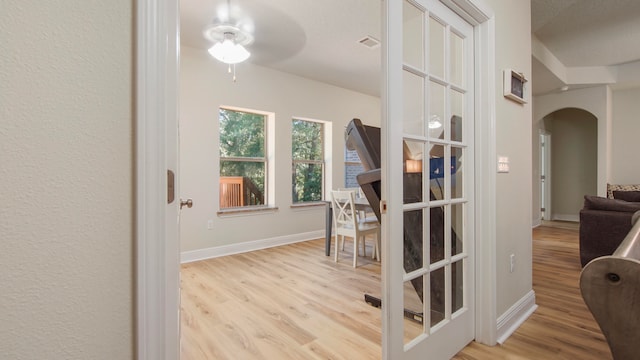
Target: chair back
344, 214
357, 191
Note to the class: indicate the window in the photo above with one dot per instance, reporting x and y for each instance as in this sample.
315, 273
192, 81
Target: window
307, 143
243, 160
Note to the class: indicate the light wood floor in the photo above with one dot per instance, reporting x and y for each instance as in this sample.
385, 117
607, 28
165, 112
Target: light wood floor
562, 327
292, 302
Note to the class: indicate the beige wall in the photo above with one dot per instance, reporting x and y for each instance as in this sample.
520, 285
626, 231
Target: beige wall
66, 211
597, 101
205, 86
66, 174
513, 130
616, 112
574, 162
625, 130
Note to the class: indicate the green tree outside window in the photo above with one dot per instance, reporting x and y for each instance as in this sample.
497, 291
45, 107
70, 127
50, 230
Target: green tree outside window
242, 155
307, 140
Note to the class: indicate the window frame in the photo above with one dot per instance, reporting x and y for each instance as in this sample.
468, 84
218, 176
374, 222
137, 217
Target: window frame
325, 127
268, 196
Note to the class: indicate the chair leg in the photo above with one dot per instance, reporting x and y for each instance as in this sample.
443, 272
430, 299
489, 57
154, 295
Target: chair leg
364, 244
337, 248
374, 254
378, 244
379, 241
355, 251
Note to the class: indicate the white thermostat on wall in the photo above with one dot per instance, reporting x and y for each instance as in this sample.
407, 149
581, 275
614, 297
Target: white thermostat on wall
514, 86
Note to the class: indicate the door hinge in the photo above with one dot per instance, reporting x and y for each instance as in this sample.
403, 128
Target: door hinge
171, 186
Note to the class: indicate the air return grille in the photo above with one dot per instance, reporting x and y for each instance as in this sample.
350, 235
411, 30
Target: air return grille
370, 42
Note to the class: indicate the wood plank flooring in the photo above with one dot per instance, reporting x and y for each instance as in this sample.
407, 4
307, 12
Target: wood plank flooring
292, 302
289, 302
562, 327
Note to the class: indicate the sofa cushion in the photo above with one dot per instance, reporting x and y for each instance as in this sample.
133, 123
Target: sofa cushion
615, 187
601, 232
599, 203
633, 196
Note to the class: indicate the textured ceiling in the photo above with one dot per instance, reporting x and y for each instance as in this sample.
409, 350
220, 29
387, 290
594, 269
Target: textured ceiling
588, 32
313, 39
320, 39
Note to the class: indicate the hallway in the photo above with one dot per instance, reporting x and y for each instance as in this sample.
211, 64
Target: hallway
562, 327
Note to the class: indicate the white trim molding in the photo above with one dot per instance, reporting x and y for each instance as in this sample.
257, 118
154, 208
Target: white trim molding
481, 15
485, 181
536, 222
517, 314
566, 217
157, 249
224, 250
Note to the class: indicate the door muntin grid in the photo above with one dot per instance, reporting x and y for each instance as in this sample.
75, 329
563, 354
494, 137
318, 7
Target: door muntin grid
436, 152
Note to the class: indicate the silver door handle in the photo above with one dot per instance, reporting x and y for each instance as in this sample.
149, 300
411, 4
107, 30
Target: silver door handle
188, 203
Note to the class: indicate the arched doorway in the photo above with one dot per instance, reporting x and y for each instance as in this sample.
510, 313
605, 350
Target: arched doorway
568, 162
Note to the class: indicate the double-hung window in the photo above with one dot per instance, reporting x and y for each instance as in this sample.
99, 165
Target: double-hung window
243, 158
308, 157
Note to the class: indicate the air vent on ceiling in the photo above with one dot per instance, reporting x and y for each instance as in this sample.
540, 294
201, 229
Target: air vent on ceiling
370, 42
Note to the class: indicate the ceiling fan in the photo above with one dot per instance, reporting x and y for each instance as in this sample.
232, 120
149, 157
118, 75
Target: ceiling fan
229, 38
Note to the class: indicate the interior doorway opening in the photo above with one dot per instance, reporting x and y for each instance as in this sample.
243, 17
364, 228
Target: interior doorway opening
569, 165
545, 176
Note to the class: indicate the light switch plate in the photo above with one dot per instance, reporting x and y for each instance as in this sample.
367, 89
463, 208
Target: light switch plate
503, 164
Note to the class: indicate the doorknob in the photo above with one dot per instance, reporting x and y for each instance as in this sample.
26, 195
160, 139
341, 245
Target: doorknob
188, 203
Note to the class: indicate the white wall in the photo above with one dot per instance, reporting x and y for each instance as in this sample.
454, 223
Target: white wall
205, 86
573, 161
513, 131
66, 208
625, 146
595, 100
618, 124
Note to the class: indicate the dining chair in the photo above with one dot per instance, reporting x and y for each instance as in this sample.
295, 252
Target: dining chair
347, 222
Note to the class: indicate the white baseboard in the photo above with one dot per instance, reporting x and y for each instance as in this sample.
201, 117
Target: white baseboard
509, 322
566, 217
213, 252
536, 222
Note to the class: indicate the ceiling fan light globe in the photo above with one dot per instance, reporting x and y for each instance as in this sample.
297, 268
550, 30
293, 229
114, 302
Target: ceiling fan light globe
239, 54
434, 122
229, 52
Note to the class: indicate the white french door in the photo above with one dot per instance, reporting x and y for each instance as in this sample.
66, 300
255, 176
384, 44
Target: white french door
428, 181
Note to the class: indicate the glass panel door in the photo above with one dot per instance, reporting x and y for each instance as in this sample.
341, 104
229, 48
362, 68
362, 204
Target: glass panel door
437, 182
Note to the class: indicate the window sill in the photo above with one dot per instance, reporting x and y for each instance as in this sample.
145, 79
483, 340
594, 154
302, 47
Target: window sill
309, 205
248, 211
